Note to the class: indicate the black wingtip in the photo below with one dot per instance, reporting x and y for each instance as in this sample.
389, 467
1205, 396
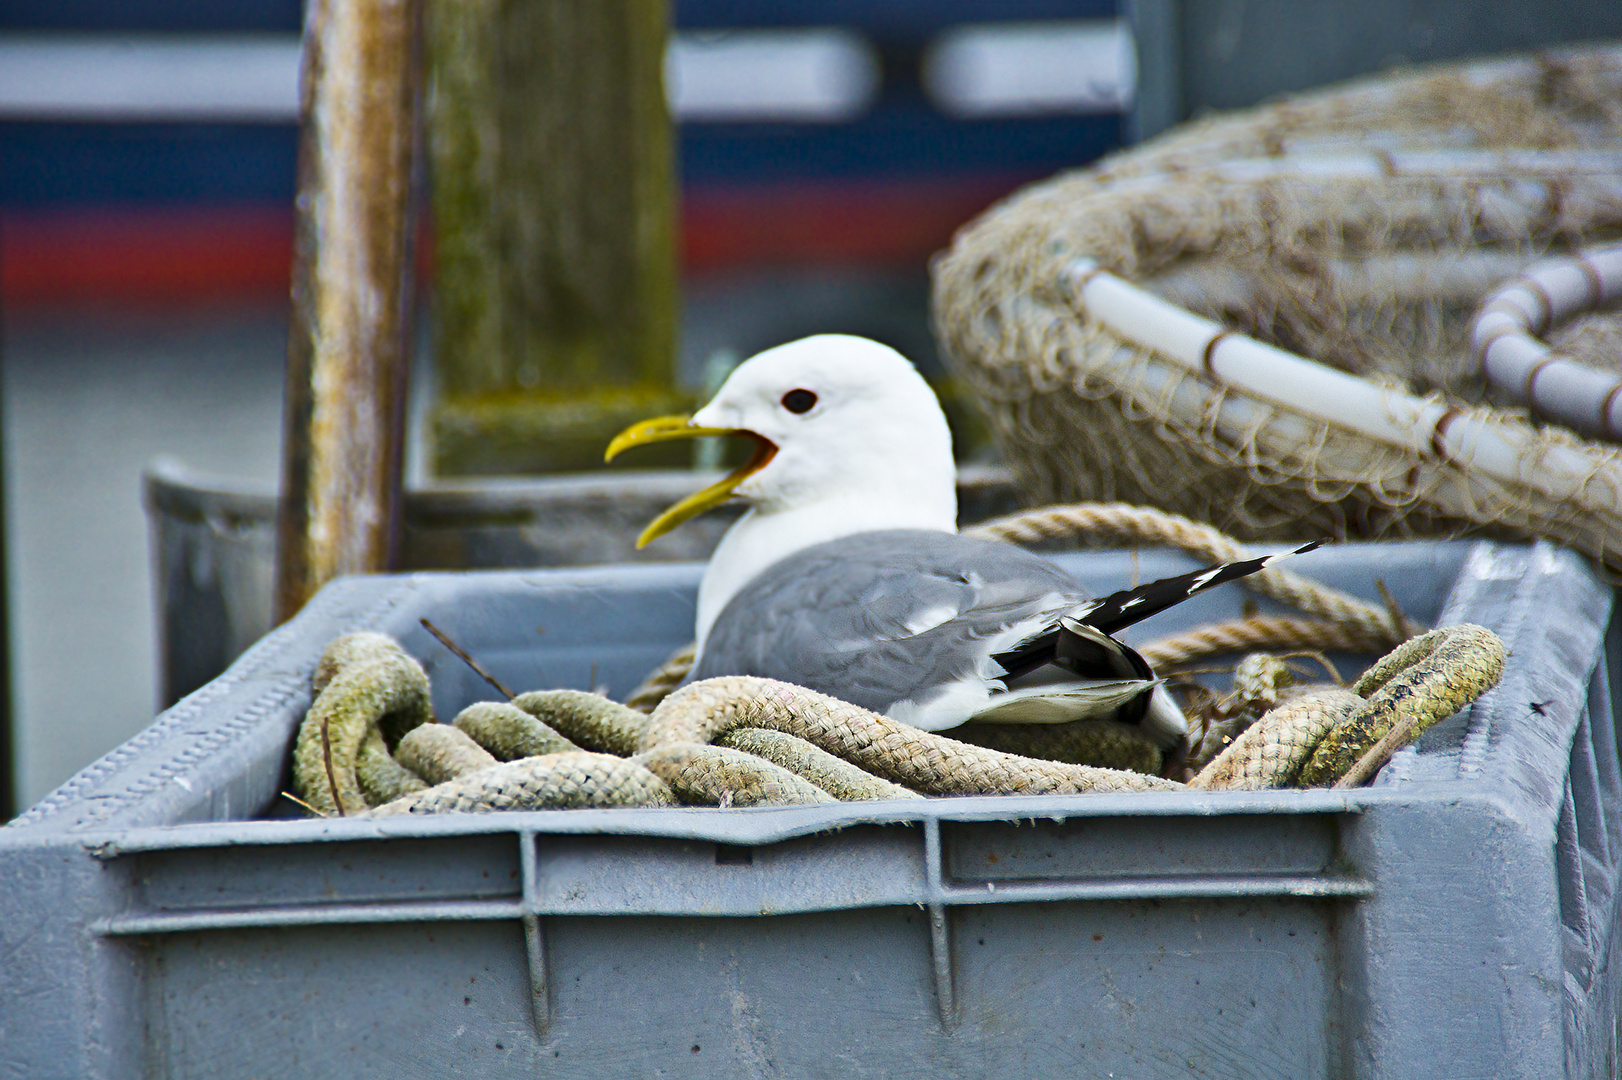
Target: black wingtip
1311, 545
1116, 612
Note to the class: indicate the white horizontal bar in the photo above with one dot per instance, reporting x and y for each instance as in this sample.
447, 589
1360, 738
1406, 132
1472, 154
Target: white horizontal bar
814, 75
150, 78
817, 75
1013, 69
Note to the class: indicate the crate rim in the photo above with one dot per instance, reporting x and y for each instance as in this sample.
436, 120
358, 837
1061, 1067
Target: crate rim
765, 825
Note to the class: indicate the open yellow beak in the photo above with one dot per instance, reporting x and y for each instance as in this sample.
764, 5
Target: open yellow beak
666, 428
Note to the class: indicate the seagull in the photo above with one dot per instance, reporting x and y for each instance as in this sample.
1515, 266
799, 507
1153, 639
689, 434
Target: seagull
847, 574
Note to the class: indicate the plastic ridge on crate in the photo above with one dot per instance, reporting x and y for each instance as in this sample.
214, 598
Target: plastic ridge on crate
1453, 919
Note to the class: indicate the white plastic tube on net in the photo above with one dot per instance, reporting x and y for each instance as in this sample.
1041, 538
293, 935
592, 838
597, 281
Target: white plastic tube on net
1451, 277
1504, 339
1504, 451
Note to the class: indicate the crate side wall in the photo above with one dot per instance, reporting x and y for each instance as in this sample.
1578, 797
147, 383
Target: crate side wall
1042, 990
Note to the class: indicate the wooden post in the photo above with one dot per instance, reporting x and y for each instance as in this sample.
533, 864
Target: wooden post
348, 346
555, 276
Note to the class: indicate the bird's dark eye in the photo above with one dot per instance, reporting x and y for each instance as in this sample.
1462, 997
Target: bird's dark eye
799, 401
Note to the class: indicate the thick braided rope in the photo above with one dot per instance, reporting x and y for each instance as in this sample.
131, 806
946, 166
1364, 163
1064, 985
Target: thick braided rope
1141, 524
1260, 681
662, 679
1258, 632
1342, 737
719, 776
706, 775
440, 752
836, 776
1271, 751
920, 760
680, 772
618, 729
1420, 683
1336, 734
364, 682
349, 650
590, 720
552, 781
383, 779
509, 732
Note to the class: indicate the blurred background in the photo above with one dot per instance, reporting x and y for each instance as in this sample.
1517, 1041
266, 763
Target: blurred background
824, 150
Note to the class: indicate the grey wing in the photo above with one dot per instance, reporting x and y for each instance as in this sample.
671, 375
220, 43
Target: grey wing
884, 617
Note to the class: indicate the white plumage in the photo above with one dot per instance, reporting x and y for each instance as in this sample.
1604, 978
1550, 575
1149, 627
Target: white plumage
847, 575
873, 452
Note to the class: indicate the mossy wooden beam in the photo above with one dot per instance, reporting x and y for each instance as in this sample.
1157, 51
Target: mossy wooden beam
347, 360
553, 197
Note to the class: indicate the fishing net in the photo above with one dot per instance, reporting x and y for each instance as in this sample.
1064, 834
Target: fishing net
1263, 320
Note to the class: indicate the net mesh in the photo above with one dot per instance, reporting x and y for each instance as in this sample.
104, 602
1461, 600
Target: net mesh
1359, 227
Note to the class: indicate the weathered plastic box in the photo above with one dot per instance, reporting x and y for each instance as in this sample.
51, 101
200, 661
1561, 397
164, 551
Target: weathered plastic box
1456, 919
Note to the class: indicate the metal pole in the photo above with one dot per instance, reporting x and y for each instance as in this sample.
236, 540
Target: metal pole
348, 349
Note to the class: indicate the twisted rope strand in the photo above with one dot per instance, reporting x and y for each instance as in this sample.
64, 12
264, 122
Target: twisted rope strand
1257, 632
1324, 736
920, 760
663, 679
1125, 523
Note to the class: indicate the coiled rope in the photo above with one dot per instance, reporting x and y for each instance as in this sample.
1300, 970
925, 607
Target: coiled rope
745, 741
369, 743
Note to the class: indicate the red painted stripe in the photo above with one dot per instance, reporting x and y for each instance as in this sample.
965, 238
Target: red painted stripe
146, 255
187, 255
894, 222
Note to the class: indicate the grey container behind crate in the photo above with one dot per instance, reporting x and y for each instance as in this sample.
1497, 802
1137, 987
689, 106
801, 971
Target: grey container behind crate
1456, 918
214, 542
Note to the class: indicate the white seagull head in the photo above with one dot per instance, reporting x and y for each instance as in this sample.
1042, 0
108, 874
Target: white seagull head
848, 438
847, 417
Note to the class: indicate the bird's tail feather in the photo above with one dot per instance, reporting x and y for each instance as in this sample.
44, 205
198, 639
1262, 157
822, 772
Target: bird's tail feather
1120, 610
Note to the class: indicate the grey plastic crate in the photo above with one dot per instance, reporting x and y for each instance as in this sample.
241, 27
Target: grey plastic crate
1456, 919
